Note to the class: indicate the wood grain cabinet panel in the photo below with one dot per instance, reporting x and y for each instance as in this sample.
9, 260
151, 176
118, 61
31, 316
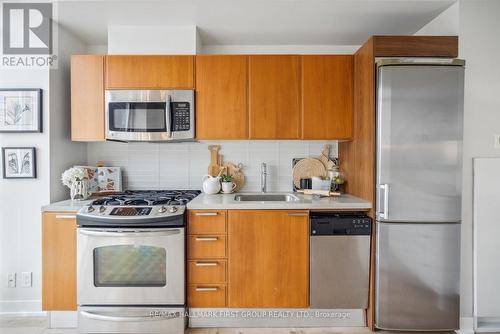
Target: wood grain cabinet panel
327, 97
207, 271
150, 72
268, 258
206, 295
221, 97
59, 261
87, 98
274, 97
206, 246
206, 222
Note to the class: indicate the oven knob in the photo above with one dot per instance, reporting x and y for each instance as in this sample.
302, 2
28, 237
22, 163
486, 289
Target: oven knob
172, 209
102, 208
162, 209
90, 209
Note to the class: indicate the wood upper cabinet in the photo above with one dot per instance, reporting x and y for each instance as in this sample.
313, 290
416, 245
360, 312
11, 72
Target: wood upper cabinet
59, 261
87, 98
274, 97
327, 97
150, 72
221, 97
268, 258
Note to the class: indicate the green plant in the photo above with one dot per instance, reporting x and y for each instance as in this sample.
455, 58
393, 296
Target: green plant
337, 180
226, 178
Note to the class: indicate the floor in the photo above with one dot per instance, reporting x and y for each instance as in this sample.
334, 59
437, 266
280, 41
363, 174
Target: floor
38, 325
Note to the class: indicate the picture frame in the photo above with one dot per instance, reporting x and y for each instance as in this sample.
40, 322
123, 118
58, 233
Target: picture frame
19, 162
21, 110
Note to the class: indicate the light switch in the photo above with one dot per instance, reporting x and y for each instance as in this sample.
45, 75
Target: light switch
497, 141
26, 279
11, 280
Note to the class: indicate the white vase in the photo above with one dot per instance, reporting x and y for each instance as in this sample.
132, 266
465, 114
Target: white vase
79, 190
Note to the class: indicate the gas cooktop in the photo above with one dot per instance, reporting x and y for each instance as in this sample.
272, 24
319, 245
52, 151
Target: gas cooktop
148, 197
137, 208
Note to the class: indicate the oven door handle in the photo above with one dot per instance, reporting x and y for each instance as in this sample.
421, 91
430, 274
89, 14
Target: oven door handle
96, 316
128, 233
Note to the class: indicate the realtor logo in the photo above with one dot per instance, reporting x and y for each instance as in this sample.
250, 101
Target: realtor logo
27, 28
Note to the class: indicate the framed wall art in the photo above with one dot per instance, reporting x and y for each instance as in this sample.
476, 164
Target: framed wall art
19, 162
21, 110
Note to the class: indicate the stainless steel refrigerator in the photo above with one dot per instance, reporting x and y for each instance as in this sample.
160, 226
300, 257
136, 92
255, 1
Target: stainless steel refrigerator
419, 176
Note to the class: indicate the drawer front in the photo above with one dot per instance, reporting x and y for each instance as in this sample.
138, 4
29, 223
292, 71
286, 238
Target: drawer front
207, 295
207, 271
206, 246
207, 222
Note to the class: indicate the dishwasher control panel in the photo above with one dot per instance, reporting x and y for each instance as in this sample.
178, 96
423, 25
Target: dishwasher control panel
340, 224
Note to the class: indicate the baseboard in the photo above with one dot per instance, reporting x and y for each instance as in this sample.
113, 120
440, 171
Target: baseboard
466, 325
63, 319
21, 307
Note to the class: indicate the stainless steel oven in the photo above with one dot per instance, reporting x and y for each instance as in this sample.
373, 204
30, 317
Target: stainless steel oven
150, 115
122, 266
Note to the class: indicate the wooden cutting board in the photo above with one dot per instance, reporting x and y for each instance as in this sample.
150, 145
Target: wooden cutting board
307, 168
214, 166
325, 158
236, 173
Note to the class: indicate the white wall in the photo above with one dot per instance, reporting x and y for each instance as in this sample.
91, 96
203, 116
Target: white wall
21, 200
152, 39
446, 23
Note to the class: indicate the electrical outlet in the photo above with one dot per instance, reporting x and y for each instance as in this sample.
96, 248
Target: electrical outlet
26, 279
11, 280
497, 141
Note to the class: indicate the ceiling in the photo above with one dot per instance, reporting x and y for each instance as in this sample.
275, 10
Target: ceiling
255, 22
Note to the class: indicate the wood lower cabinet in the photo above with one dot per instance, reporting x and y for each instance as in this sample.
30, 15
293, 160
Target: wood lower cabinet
59, 261
207, 258
268, 258
221, 97
87, 98
149, 72
327, 97
274, 97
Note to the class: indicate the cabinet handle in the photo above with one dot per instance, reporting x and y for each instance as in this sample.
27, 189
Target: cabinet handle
207, 238
206, 289
65, 216
206, 213
206, 264
297, 214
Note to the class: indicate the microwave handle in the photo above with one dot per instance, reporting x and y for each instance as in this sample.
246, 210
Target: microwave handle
168, 115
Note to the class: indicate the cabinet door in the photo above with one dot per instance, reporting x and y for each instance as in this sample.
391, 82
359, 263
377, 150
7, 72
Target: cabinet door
87, 98
274, 97
221, 97
327, 97
149, 72
59, 261
268, 258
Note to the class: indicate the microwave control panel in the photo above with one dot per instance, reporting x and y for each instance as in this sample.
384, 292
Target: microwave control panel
181, 119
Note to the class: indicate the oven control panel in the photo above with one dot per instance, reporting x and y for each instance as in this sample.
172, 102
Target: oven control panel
181, 116
131, 211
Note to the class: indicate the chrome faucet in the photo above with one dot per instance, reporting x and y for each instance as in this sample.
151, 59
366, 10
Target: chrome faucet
263, 177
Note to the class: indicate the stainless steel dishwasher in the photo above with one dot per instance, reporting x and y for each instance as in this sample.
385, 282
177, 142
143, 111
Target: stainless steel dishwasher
339, 260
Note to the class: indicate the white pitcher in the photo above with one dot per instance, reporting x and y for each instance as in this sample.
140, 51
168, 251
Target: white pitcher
211, 185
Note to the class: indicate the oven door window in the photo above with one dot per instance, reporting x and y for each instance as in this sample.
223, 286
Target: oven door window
137, 116
130, 266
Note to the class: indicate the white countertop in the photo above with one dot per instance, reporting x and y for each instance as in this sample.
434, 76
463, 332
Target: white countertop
227, 202
65, 206
305, 202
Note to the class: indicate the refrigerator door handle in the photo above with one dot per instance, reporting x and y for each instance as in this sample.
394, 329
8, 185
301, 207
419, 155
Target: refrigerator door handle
385, 196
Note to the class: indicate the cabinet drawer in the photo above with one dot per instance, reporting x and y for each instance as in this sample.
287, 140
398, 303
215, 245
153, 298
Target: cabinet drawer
207, 295
207, 222
207, 271
206, 247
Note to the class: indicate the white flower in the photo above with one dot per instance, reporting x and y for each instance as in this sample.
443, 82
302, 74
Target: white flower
72, 175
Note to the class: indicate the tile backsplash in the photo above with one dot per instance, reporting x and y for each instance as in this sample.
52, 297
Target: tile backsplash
182, 165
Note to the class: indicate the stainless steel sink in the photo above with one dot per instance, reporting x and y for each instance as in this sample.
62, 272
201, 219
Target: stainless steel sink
266, 198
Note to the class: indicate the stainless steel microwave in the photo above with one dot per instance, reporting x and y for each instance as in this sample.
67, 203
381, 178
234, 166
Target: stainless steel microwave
150, 115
